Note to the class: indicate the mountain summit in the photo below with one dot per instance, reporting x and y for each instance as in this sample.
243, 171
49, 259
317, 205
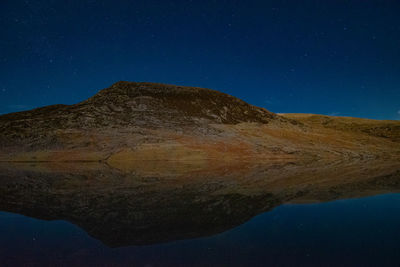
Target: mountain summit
153, 103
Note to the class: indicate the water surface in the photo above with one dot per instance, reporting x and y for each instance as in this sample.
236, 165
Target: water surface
350, 232
329, 214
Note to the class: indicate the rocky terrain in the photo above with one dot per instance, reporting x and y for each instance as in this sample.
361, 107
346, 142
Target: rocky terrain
132, 121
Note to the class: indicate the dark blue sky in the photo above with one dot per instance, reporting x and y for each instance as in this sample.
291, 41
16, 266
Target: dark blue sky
329, 57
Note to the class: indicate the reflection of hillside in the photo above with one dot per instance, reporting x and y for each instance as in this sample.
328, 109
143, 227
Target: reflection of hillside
153, 202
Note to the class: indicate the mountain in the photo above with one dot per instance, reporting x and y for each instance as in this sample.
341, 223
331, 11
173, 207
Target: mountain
132, 121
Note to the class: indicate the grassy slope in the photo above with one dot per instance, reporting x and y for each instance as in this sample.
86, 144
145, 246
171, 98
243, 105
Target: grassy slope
315, 137
389, 129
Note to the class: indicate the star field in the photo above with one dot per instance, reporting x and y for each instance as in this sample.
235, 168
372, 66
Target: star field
326, 57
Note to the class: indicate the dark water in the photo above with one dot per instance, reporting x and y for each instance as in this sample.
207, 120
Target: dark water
189, 214
352, 232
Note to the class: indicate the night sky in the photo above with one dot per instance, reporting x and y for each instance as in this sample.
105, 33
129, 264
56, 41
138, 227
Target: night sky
327, 57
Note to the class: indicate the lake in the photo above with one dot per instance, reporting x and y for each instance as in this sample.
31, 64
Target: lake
280, 214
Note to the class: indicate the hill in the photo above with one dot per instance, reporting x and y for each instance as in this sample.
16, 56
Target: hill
132, 121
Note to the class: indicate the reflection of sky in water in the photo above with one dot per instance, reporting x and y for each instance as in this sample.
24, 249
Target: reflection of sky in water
346, 232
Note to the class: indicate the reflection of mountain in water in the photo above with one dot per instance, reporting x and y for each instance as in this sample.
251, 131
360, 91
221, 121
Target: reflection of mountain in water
156, 202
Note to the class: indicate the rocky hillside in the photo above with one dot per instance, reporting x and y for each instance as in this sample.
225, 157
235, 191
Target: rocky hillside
137, 104
129, 105
132, 121
152, 104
